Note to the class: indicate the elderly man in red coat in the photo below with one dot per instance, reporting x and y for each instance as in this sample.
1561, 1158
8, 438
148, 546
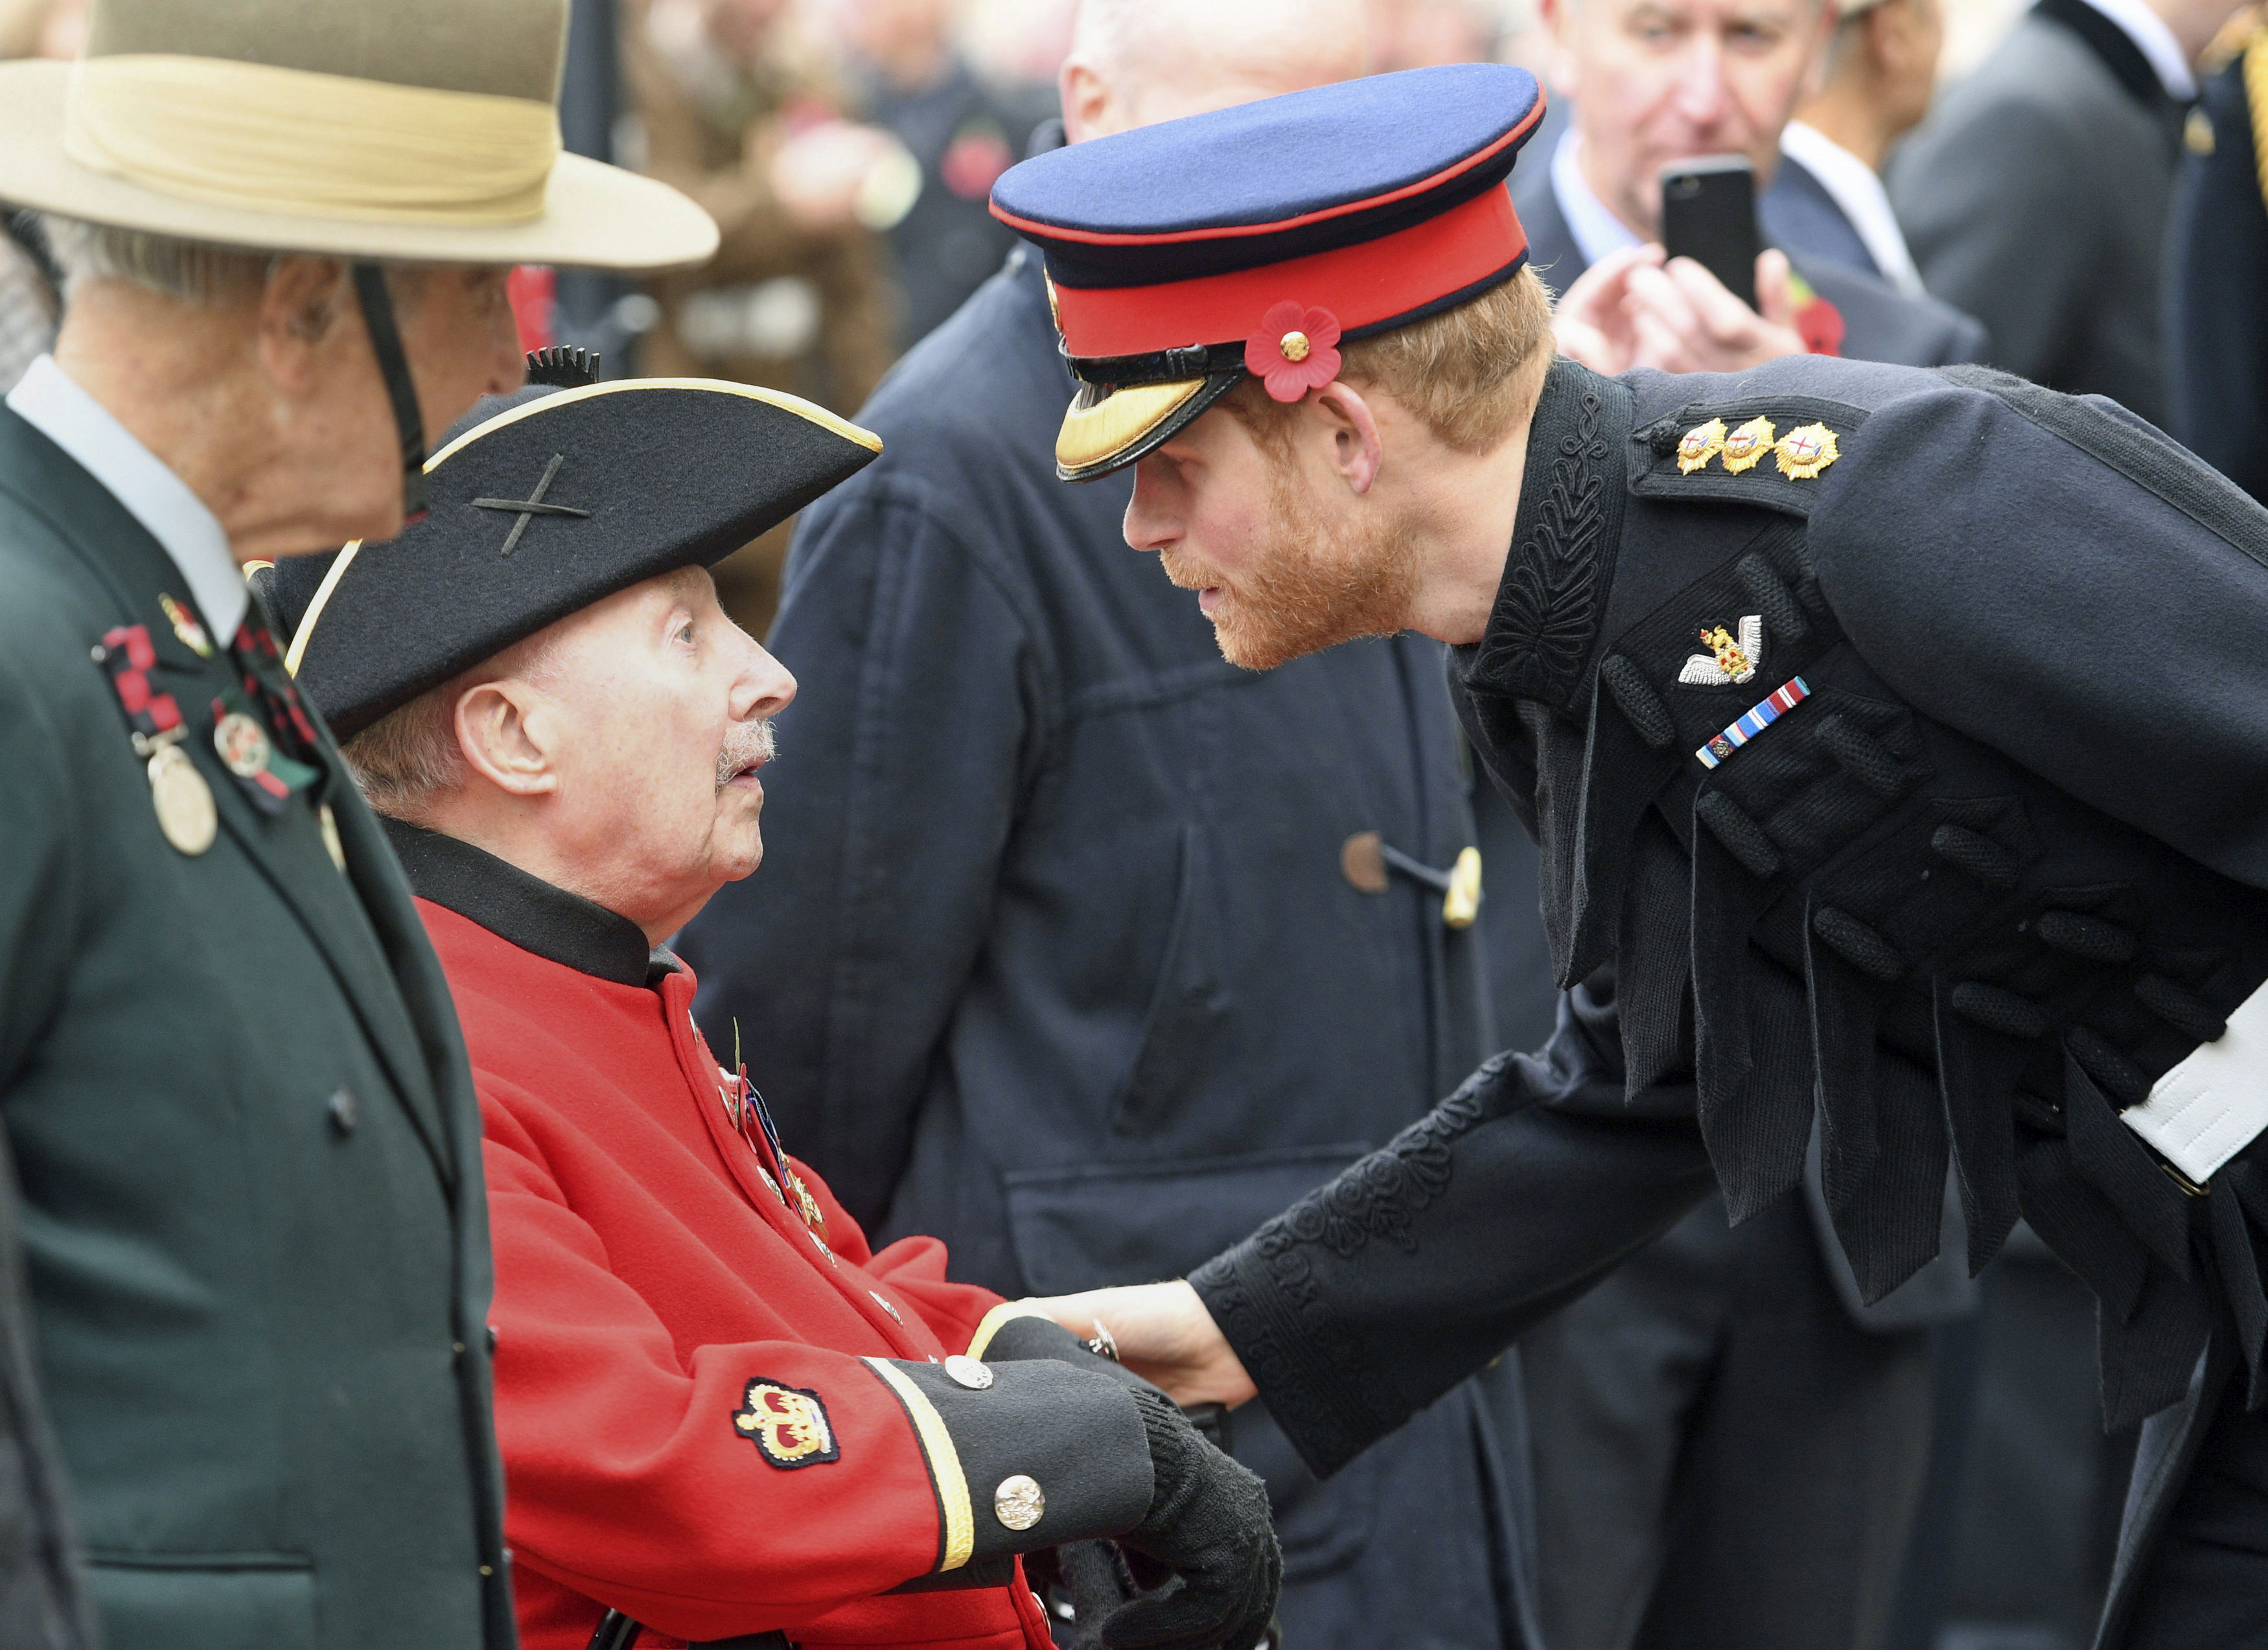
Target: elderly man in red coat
723, 1417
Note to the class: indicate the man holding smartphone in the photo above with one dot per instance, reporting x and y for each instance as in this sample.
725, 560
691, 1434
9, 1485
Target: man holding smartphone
1655, 85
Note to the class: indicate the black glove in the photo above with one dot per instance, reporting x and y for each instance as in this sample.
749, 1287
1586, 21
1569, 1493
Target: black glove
1086, 1578
1020, 1338
1208, 1524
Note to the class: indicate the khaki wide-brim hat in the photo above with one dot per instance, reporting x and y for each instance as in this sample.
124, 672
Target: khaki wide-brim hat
413, 130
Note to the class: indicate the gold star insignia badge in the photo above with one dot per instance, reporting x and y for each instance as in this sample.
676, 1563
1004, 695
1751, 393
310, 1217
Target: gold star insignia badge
1699, 444
1746, 446
1807, 451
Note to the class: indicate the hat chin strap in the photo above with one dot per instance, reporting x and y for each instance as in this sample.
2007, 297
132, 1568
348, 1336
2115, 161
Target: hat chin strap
400, 389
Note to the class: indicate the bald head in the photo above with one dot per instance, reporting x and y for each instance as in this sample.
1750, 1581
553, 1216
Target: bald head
1134, 63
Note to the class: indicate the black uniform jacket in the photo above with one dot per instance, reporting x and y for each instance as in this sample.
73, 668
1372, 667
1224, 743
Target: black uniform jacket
1051, 955
1882, 324
1999, 870
254, 1228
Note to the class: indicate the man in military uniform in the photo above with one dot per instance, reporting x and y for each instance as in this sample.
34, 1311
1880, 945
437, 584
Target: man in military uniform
721, 1415
230, 1081
1891, 737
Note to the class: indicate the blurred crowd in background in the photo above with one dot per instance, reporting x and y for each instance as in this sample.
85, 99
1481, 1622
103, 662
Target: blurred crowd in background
847, 148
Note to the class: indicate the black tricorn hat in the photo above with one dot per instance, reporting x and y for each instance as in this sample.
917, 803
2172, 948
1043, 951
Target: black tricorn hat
544, 502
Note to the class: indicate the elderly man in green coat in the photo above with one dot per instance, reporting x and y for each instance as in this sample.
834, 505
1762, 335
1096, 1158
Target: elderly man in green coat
252, 1226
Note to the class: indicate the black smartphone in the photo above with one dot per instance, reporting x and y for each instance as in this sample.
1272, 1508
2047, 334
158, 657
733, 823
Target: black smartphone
1709, 215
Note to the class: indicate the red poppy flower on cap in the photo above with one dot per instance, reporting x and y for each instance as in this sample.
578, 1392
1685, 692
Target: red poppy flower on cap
1295, 351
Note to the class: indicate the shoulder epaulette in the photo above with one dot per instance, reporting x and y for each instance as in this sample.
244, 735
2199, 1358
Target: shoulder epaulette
1766, 449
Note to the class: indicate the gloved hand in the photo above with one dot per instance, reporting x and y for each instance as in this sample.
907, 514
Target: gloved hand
1089, 1579
1208, 1525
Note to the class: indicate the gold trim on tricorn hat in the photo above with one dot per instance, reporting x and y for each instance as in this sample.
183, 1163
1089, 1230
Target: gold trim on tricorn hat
418, 130
544, 502
304, 630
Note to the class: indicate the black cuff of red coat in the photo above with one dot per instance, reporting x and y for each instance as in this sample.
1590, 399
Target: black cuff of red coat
1025, 1454
1281, 1336
1019, 1339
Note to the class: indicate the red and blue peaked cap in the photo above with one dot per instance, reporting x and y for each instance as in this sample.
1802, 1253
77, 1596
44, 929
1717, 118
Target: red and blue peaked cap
1256, 240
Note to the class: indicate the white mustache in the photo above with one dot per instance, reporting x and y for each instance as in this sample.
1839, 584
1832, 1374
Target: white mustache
746, 745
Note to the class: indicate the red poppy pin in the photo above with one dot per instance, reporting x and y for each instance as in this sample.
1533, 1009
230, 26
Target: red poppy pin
1295, 351
1818, 322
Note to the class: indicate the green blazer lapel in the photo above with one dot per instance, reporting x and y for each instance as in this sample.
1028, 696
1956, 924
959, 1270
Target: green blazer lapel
344, 921
334, 909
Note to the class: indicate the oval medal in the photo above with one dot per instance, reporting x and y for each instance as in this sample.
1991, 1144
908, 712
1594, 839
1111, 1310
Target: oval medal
242, 744
183, 801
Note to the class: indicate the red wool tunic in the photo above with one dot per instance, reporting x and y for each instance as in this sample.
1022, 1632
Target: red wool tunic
646, 1273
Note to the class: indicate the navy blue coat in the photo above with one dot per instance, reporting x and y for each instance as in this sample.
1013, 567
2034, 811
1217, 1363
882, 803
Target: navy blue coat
1052, 955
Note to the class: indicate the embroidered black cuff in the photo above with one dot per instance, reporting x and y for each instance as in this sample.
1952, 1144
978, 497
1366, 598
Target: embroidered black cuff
1249, 1291
1023, 1455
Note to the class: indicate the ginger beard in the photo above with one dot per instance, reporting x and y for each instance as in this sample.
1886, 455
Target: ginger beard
1312, 583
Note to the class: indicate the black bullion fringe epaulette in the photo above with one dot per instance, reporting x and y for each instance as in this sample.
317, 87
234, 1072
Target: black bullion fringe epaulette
1875, 920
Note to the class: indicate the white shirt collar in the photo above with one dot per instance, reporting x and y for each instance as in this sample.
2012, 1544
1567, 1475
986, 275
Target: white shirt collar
47, 399
1855, 189
1598, 232
2148, 32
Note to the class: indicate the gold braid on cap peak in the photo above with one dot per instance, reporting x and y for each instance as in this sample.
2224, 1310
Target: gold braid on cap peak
1094, 432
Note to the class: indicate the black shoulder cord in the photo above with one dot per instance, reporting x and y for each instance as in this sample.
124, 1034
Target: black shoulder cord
400, 389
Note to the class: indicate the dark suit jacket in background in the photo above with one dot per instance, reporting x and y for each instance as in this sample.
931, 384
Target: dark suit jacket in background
1798, 211
260, 1310
2217, 292
2034, 197
1051, 954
